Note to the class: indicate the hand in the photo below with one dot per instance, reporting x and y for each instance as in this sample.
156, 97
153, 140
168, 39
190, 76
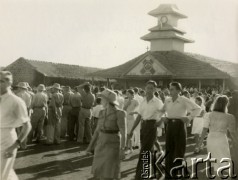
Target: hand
130, 135
10, 151
185, 119
122, 154
158, 123
132, 113
164, 119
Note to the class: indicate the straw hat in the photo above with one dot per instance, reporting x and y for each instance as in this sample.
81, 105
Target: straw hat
56, 86
110, 96
22, 85
41, 87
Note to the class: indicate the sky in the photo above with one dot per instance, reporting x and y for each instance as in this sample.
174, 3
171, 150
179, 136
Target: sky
106, 33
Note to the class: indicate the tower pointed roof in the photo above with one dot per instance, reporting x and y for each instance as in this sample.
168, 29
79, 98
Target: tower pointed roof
167, 9
166, 36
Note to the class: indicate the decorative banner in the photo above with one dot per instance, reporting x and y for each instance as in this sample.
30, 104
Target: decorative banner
148, 68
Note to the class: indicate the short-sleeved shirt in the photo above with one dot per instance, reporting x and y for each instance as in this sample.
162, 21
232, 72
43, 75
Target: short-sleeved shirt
96, 110
150, 110
75, 100
67, 97
57, 100
26, 97
13, 113
180, 107
219, 122
39, 100
88, 99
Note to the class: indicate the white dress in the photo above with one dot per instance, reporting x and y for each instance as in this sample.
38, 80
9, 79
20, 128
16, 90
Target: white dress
13, 113
198, 124
217, 141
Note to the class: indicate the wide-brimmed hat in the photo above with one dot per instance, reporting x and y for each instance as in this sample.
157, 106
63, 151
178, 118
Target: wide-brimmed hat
22, 85
110, 96
56, 86
41, 87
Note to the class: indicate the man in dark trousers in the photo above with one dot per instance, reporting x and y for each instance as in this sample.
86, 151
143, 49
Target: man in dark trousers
148, 113
176, 108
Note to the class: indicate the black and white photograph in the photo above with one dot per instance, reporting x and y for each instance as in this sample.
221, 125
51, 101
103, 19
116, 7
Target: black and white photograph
118, 90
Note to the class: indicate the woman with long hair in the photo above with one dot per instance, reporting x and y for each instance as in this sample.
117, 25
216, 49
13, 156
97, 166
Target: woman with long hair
109, 137
219, 123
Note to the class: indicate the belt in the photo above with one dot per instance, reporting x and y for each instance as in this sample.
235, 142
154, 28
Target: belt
86, 107
174, 120
110, 131
149, 121
76, 107
39, 107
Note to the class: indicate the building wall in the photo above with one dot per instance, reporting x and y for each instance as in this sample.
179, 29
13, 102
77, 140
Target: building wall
167, 45
24, 72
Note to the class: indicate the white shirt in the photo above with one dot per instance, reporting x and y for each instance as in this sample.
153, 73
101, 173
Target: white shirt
180, 107
13, 113
150, 110
121, 102
138, 98
96, 110
26, 97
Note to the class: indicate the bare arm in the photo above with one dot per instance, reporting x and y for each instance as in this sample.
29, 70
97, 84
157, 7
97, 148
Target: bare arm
121, 121
137, 121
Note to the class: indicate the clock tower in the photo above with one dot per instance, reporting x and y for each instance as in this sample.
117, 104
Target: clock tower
166, 36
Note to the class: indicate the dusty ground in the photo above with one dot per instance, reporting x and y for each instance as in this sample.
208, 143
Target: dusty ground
66, 161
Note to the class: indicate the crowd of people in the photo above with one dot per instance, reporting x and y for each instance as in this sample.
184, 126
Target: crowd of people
112, 123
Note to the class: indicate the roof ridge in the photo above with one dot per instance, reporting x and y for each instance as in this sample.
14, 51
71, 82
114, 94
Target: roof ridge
42, 61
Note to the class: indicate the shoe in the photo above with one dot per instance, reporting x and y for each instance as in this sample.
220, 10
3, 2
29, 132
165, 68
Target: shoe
202, 146
196, 151
127, 152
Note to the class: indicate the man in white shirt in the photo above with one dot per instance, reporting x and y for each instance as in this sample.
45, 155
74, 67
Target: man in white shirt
176, 108
13, 114
148, 113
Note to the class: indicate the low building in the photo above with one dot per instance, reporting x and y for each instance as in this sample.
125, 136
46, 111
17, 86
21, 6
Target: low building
36, 72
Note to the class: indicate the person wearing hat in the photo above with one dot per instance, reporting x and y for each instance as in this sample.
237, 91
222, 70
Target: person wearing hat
13, 114
85, 113
23, 93
39, 106
26, 97
109, 137
66, 109
54, 116
29, 90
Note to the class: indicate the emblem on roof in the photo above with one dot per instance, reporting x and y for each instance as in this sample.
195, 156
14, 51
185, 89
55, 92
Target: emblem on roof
148, 68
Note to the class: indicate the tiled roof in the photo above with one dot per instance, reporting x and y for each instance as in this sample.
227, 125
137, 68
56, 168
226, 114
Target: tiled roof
50, 69
118, 71
181, 65
225, 66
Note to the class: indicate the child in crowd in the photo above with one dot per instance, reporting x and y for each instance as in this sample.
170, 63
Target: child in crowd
198, 124
95, 113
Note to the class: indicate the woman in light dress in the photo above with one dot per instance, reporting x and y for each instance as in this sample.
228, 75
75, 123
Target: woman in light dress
130, 106
109, 137
219, 122
198, 124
